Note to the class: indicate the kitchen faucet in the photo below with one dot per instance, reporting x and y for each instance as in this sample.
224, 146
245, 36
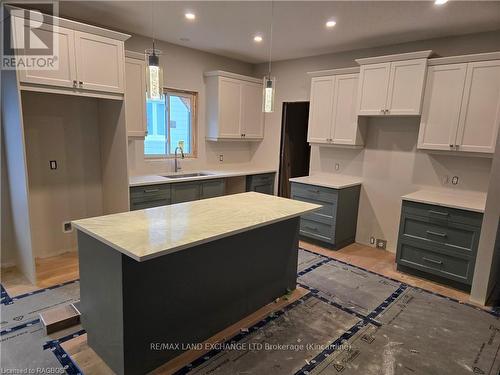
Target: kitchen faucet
176, 162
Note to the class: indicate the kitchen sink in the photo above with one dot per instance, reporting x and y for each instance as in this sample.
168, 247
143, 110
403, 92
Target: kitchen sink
184, 175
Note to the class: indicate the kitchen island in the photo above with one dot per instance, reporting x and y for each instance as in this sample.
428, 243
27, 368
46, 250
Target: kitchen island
155, 281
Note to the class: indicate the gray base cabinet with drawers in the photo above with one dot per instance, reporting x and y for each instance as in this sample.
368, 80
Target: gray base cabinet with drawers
142, 197
335, 223
261, 183
438, 243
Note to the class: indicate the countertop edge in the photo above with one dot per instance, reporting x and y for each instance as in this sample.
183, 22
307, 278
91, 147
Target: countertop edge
191, 244
325, 184
441, 204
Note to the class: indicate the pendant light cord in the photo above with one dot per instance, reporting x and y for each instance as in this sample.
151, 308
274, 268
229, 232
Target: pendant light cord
271, 37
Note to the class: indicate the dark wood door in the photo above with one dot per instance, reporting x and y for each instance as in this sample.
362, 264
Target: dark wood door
295, 151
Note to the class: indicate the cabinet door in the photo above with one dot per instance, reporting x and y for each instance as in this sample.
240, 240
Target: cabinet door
406, 84
212, 188
185, 192
100, 63
65, 74
345, 118
480, 113
320, 113
229, 108
252, 117
373, 85
441, 109
135, 97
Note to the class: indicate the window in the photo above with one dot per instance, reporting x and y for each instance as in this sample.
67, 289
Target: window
171, 123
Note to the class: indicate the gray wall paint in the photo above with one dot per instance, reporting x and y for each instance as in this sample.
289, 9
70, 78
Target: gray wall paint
390, 164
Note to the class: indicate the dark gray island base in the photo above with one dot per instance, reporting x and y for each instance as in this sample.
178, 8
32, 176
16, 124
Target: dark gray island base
130, 309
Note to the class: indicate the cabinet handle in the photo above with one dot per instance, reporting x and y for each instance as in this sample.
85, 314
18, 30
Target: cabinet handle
151, 190
432, 260
311, 228
432, 212
436, 233
313, 190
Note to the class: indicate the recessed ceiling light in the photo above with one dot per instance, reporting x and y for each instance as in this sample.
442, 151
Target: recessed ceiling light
190, 16
440, 2
257, 38
330, 23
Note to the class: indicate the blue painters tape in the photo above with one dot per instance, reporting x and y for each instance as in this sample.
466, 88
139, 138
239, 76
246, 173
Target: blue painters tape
38, 291
5, 299
18, 327
313, 267
64, 358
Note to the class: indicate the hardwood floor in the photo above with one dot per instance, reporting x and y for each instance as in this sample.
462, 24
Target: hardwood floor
49, 271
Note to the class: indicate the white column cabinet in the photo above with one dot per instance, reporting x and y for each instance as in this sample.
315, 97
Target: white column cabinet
100, 63
135, 97
332, 113
234, 107
461, 110
391, 88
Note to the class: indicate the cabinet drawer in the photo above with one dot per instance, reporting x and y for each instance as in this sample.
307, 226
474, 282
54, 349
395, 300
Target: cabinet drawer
327, 209
459, 237
185, 192
439, 214
149, 193
316, 194
316, 229
212, 188
450, 267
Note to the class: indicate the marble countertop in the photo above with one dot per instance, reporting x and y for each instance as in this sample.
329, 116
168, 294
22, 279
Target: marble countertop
334, 181
150, 233
464, 200
159, 179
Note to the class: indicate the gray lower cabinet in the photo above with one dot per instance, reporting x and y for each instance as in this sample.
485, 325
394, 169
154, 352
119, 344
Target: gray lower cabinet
261, 183
335, 223
438, 243
142, 197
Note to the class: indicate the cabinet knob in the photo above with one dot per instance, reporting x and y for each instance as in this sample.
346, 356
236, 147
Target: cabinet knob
451, 145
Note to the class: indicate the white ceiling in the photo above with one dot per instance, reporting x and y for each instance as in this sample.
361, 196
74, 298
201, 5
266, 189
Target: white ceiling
227, 28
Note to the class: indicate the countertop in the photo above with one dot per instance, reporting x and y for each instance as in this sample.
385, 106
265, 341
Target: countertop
150, 233
334, 181
466, 200
158, 179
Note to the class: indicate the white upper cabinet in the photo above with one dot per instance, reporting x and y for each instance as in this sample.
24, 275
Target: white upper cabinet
100, 63
135, 96
480, 112
332, 113
373, 86
392, 85
320, 110
234, 107
65, 74
89, 59
461, 110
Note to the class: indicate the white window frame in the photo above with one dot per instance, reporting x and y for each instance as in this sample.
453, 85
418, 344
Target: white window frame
194, 122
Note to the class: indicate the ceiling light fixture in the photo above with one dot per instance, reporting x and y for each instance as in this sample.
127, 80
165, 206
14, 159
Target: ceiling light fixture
257, 38
190, 16
330, 23
269, 82
154, 71
440, 2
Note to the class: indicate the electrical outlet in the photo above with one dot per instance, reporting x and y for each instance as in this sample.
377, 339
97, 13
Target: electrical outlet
372, 240
67, 227
337, 166
454, 180
381, 244
53, 164
221, 158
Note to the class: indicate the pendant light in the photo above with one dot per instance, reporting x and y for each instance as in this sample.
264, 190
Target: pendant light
269, 82
154, 71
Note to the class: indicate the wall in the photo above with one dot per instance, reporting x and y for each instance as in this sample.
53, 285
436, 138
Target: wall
66, 129
390, 165
183, 69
